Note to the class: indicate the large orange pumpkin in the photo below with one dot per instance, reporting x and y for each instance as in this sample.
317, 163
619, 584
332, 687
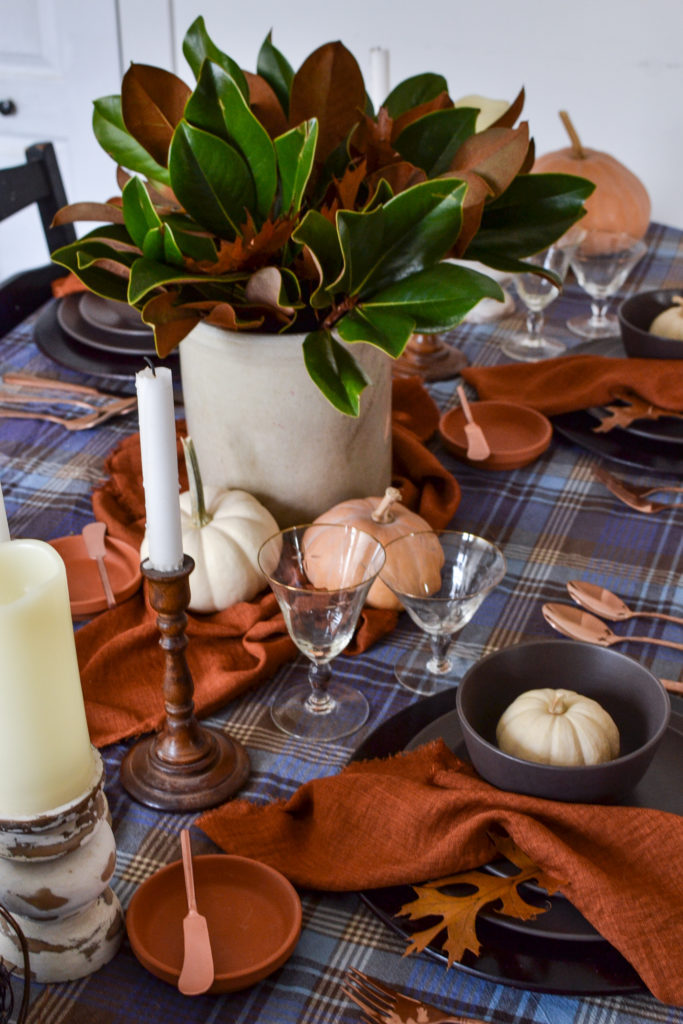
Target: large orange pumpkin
620, 201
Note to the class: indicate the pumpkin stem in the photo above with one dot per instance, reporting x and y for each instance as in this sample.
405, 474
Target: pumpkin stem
382, 513
579, 151
200, 517
558, 706
677, 300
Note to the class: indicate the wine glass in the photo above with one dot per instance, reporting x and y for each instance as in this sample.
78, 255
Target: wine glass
537, 292
440, 578
602, 261
321, 574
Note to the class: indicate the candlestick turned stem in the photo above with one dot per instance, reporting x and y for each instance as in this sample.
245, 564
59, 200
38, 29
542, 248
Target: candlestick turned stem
186, 766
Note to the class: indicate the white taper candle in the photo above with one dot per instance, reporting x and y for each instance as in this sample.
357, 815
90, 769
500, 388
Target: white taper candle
160, 468
4, 525
379, 76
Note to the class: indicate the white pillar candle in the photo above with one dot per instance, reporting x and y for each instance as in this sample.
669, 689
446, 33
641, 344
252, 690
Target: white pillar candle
160, 468
46, 758
4, 526
379, 76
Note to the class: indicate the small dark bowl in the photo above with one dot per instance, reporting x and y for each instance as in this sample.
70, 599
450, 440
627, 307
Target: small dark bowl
634, 698
635, 316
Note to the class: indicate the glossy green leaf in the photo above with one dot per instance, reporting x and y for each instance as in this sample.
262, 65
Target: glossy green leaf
382, 194
432, 141
332, 367
320, 236
412, 231
116, 140
138, 212
218, 107
413, 91
295, 154
200, 248
385, 328
211, 180
102, 282
198, 47
436, 298
276, 70
146, 275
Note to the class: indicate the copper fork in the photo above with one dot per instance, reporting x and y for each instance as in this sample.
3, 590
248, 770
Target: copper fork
635, 497
384, 1005
92, 419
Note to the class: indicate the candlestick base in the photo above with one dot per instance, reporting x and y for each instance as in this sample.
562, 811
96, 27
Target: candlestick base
430, 357
186, 766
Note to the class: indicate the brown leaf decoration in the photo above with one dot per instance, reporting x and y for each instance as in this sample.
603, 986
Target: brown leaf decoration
171, 322
265, 105
472, 210
263, 289
107, 212
496, 155
152, 104
348, 185
440, 102
399, 176
248, 251
328, 85
372, 140
509, 116
458, 914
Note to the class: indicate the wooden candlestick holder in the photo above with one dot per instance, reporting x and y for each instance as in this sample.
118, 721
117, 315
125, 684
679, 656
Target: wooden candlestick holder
186, 766
430, 357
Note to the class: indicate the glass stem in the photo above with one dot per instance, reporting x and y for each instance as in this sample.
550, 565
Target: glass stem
319, 701
439, 663
599, 309
534, 322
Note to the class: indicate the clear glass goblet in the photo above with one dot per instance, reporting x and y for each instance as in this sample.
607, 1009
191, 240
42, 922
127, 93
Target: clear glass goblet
440, 578
537, 292
321, 575
602, 261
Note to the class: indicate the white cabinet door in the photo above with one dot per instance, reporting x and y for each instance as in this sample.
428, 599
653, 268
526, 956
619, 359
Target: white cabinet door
56, 57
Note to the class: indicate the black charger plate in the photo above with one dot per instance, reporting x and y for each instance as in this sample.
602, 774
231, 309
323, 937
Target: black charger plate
538, 958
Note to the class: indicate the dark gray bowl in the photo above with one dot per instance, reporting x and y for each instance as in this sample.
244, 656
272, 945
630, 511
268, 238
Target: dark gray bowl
634, 698
635, 316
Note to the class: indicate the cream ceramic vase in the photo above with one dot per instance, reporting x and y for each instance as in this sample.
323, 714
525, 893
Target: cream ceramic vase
260, 424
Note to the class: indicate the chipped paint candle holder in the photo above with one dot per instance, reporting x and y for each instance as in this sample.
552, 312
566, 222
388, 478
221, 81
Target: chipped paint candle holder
55, 870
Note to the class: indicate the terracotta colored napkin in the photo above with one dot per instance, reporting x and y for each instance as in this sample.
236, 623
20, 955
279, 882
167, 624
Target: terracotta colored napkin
426, 814
228, 652
568, 383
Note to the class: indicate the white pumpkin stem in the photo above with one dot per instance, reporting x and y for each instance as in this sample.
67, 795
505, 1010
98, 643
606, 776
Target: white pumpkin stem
558, 706
677, 300
383, 513
579, 151
200, 517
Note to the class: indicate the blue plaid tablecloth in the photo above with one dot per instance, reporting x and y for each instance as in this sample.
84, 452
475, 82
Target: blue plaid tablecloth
553, 521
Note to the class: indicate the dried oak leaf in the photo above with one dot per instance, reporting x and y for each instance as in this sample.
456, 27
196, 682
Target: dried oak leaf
458, 913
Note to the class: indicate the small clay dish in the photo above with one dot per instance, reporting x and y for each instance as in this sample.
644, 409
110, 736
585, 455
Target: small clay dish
253, 915
515, 433
632, 695
635, 316
86, 594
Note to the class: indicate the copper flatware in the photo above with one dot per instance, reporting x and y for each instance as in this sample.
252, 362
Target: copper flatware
92, 419
30, 380
635, 497
197, 973
94, 537
382, 1004
610, 606
580, 625
477, 445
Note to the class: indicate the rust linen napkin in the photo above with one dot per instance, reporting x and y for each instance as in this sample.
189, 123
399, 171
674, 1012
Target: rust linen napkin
231, 651
426, 814
568, 383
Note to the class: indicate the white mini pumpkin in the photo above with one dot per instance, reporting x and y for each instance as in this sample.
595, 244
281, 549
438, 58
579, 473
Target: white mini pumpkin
222, 531
558, 727
669, 323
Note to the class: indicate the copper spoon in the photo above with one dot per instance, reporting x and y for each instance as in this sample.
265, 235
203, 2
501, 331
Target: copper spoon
197, 974
477, 445
581, 625
93, 536
608, 605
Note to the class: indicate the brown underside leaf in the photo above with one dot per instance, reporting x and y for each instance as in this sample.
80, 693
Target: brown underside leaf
328, 85
496, 155
372, 140
171, 322
472, 210
458, 914
440, 102
152, 104
88, 211
399, 176
265, 105
508, 117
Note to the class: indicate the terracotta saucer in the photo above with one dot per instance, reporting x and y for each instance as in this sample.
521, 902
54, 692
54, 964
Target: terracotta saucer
253, 915
83, 578
516, 434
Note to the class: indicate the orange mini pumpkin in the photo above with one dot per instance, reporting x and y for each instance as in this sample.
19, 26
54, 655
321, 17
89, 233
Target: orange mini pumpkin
620, 201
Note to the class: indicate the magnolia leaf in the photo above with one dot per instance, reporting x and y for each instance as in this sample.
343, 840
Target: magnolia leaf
276, 70
328, 86
116, 140
399, 177
198, 47
413, 91
534, 211
218, 107
148, 275
320, 237
440, 102
88, 211
266, 288
410, 232
171, 322
386, 329
139, 213
266, 105
335, 371
509, 116
437, 298
382, 194
496, 155
101, 281
152, 104
198, 248
295, 153
432, 141
211, 180
458, 913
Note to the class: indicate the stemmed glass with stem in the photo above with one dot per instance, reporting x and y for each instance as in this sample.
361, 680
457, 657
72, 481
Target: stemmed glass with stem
440, 577
537, 292
320, 574
602, 261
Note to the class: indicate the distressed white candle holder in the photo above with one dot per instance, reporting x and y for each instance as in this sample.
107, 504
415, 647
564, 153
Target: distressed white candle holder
55, 869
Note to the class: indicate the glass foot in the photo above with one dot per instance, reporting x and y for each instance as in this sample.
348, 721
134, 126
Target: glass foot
530, 350
594, 327
413, 672
343, 713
